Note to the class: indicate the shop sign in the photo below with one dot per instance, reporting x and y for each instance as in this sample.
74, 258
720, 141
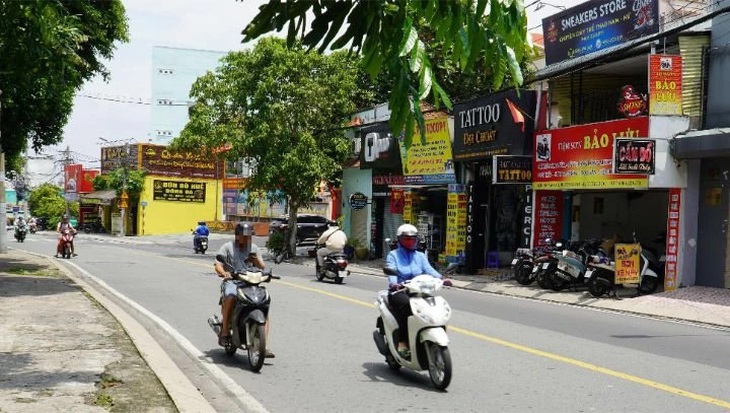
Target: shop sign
665, 84
234, 183
87, 180
526, 234
672, 254
72, 178
377, 148
631, 103
548, 216
498, 124
382, 184
429, 162
597, 25
455, 223
581, 157
397, 201
358, 201
510, 169
178, 191
161, 161
628, 258
634, 156
115, 157
408, 207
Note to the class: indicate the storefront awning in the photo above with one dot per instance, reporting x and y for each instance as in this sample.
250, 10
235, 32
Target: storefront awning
99, 197
709, 143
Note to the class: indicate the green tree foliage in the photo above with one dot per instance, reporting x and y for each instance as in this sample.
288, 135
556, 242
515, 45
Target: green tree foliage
281, 109
115, 180
47, 201
48, 49
488, 35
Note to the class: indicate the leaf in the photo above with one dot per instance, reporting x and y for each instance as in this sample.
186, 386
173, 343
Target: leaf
514, 67
409, 39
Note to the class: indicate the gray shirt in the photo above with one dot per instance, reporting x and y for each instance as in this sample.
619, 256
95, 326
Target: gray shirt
238, 257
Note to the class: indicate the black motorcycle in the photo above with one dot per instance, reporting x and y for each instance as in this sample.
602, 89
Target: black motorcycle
20, 232
248, 323
335, 267
201, 244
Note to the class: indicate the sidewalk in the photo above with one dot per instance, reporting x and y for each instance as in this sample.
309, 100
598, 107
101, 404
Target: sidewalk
60, 350
704, 305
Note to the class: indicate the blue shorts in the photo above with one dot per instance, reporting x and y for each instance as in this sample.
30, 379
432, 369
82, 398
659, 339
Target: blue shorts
229, 287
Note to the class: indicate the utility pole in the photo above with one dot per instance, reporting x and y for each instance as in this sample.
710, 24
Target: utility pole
66, 162
125, 198
3, 204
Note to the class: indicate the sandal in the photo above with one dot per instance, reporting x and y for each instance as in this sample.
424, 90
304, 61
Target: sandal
404, 353
224, 341
269, 354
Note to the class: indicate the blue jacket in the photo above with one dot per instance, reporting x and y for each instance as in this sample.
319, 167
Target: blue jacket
409, 264
201, 231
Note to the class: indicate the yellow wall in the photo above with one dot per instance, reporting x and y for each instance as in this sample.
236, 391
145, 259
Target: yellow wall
173, 217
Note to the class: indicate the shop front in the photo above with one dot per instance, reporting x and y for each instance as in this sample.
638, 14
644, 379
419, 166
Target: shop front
612, 180
493, 143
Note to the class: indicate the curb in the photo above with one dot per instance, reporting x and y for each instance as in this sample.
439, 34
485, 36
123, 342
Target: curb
181, 390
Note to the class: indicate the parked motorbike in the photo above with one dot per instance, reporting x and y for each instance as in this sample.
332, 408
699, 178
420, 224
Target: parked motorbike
522, 265
601, 277
571, 265
545, 262
429, 342
247, 325
67, 238
334, 268
20, 232
93, 226
201, 244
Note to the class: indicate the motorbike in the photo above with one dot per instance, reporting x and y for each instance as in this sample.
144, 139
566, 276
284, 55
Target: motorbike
201, 244
32, 227
247, 325
20, 232
545, 262
67, 237
334, 268
522, 265
601, 276
93, 226
429, 342
571, 265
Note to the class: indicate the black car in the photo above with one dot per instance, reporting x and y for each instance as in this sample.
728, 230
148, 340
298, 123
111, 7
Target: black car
309, 226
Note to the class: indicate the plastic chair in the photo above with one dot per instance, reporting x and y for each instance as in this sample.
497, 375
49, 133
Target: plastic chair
492, 259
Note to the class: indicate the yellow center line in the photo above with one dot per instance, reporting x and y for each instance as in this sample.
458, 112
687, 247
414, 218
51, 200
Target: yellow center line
519, 347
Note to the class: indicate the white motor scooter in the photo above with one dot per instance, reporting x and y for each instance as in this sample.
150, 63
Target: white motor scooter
426, 330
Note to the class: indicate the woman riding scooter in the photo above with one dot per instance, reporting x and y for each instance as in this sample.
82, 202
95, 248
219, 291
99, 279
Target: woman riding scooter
409, 263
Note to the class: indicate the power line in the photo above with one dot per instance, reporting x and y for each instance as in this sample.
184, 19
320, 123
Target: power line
116, 99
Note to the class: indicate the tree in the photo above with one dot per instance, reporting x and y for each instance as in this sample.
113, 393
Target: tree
46, 201
281, 109
390, 34
115, 180
49, 48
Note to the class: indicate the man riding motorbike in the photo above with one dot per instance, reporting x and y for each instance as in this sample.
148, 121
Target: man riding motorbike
200, 231
62, 225
32, 225
19, 225
241, 253
409, 263
334, 240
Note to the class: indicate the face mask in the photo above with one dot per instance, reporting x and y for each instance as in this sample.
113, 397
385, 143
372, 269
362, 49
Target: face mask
409, 243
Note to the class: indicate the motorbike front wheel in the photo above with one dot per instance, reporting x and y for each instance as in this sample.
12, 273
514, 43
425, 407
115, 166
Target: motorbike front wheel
597, 288
543, 279
439, 365
523, 273
257, 349
648, 285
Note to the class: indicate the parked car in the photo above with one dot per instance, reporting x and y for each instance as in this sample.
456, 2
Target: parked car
309, 226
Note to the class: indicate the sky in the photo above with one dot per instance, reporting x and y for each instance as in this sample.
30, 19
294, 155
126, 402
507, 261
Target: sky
195, 24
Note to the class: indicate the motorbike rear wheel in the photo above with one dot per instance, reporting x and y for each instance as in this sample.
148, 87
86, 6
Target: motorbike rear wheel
523, 273
543, 279
257, 350
557, 283
338, 280
648, 285
439, 365
597, 288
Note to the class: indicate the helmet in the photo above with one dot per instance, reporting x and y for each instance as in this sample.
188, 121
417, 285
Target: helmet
64, 217
244, 228
407, 230
407, 236
201, 222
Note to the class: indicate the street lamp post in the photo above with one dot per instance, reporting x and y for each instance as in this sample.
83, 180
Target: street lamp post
3, 205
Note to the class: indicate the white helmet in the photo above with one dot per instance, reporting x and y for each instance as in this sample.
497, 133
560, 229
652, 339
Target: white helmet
407, 230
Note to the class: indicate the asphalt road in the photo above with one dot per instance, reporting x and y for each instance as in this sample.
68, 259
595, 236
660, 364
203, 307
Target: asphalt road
509, 354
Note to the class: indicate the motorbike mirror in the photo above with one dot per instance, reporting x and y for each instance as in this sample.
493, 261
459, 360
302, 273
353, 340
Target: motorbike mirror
389, 271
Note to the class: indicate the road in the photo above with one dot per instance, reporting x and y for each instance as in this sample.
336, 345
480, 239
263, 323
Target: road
509, 354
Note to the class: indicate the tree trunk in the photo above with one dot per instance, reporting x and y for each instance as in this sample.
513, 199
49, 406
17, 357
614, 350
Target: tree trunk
292, 225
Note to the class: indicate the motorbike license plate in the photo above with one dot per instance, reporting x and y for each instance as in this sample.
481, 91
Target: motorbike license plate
545, 265
589, 273
342, 274
514, 261
535, 268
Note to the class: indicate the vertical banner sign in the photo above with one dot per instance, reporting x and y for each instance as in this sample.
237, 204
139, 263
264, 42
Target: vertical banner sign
670, 278
665, 84
526, 218
397, 199
408, 208
455, 223
548, 216
627, 263
470, 230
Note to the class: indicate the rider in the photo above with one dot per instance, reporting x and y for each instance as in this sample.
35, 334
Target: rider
334, 240
32, 223
200, 231
409, 263
63, 224
241, 253
19, 223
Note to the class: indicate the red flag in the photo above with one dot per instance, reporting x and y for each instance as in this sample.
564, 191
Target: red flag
516, 114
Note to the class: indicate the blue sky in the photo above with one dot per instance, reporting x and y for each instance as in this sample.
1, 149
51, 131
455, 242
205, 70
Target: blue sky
197, 24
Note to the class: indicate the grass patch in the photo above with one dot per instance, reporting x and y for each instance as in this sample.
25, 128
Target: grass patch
104, 400
26, 272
